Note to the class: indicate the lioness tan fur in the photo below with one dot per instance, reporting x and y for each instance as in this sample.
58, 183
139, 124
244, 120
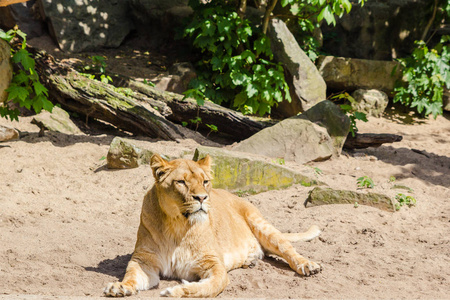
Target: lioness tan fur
192, 232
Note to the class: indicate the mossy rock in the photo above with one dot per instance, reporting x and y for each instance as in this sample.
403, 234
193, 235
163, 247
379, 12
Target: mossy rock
239, 173
58, 121
323, 196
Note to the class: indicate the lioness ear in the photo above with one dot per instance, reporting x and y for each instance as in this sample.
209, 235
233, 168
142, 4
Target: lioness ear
158, 165
205, 162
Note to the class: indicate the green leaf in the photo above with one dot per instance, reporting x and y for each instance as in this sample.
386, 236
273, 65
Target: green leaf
17, 93
39, 88
23, 56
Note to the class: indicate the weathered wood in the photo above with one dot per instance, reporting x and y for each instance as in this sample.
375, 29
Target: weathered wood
102, 101
365, 140
178, 110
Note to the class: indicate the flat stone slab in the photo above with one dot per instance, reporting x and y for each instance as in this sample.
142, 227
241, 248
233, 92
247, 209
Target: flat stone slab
238, 172
58, 121
323, 196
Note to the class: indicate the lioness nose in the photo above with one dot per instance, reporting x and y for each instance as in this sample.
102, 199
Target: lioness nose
200, 198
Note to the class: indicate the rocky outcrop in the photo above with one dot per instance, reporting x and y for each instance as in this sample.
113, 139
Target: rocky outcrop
306, 84
323, 196
381, 30
8, 134
341, 73
85, 25
329, 115
58, 121
371, 102
6, 70
294, 139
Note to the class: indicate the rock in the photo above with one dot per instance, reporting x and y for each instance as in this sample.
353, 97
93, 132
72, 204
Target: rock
380, 30
8, 133
322, 196
295, 139
125, 154
80, 25
371, 102
237, 172
180, 74
308, 87
330, 116
6, 70
350, 74
58, 120
122, 154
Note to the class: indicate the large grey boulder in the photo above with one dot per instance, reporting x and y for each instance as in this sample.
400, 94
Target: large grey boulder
80, 25
341, 73
329, 115
294, 139
57, 121
308, 86
6, 70
371, 102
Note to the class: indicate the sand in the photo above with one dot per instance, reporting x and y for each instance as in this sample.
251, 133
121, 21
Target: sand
68, 224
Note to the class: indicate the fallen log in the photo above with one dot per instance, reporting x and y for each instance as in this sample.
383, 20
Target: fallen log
366, 140
178, 109
95, 99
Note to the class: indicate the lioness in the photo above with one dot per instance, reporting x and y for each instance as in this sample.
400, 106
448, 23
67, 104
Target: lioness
192, 232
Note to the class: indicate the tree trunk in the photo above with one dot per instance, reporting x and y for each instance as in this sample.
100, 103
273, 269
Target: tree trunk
366, 140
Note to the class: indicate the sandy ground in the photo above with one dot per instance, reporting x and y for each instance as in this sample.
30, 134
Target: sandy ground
68, 224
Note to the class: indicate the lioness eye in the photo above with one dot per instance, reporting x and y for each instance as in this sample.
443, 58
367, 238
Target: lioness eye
205, 182
181, 182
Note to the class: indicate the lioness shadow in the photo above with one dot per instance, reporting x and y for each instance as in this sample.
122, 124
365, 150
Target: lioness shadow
113, 267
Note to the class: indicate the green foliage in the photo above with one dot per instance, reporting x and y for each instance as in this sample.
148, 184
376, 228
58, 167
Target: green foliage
212, 128
149, 83
426, 72
365, 182
279, 161
322, 9
97, 69
352, 114
236, 67
402, 200
25, 88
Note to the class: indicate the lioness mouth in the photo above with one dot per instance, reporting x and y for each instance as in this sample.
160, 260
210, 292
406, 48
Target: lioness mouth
187, 214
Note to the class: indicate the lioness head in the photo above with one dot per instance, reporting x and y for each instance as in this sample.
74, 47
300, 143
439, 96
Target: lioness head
183, 187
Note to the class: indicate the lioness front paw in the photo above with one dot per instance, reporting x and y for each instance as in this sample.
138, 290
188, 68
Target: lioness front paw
309, 268
118, 289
